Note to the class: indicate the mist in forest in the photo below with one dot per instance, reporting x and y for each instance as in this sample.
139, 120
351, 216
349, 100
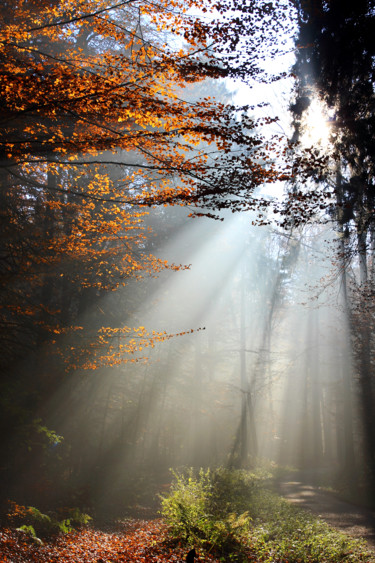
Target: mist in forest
266, 374
255, 366
144, 331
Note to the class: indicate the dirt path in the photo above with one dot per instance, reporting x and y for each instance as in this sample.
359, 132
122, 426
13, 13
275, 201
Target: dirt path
354, 520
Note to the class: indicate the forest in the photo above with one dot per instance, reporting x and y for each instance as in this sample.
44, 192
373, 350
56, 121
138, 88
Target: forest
187, 310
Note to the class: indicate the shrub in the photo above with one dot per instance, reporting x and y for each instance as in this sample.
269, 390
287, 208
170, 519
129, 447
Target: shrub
205, 509
29, 530
33, 522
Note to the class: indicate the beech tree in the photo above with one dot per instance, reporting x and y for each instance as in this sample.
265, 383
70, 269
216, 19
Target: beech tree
85, 86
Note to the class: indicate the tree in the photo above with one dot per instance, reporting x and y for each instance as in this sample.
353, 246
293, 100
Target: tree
81, 80
335, 63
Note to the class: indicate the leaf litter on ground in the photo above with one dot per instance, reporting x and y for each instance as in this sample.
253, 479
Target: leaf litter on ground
139, 541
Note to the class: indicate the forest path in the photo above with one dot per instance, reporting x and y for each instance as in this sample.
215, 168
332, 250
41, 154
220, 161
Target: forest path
357, 521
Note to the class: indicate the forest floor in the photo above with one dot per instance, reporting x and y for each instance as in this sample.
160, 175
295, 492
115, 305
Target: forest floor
142, 537
133, 541
354, 520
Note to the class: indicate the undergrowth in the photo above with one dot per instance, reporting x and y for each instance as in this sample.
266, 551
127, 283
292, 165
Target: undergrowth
232, 513
34, 523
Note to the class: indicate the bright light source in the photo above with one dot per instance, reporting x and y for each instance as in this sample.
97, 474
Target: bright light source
317, 130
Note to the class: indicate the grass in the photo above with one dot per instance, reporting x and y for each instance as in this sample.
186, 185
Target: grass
233, 514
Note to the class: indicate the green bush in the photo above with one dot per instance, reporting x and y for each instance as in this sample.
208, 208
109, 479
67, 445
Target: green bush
43, 524
29, 530
36, 524
76, 518
205, 509
186, 509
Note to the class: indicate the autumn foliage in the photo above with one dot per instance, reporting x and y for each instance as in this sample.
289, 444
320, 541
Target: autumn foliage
95, 128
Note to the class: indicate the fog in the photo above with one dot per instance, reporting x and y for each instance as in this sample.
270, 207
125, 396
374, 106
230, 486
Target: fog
266, 374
